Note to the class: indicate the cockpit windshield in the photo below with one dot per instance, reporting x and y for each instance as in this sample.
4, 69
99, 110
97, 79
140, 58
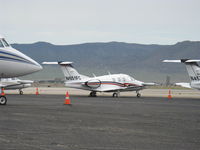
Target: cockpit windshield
132, 79
1, 44
5, 43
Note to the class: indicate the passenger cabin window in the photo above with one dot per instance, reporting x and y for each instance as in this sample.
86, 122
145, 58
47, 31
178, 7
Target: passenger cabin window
5, 43
1, 44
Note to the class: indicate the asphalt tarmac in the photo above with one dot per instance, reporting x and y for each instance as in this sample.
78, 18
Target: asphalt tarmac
42, 122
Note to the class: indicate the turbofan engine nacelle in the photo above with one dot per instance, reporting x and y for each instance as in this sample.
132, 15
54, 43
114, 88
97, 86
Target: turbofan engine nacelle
95, 83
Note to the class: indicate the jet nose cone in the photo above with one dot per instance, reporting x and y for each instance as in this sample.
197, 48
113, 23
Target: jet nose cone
37, 67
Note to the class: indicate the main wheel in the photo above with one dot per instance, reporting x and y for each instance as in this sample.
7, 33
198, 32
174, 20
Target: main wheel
138, 95
115, 94
21, 92
3, 100
93, 94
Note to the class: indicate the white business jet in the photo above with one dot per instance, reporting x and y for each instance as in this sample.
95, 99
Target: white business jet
115, 83
15, 84
193, 70
13, 64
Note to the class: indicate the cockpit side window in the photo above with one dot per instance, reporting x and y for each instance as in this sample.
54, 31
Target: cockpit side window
5, 43
1, 44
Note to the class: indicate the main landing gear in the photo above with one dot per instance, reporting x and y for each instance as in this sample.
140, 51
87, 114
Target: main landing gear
116, 94
138, 94
3, 100
93, 94
21, 92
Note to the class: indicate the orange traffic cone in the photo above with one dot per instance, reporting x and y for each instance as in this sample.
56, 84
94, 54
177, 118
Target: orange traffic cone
2, 92
67, 100
37, 92
169, 95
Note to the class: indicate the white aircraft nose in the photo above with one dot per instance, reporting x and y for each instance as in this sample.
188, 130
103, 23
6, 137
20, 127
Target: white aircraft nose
14, 63
38, 67
25, 65
34, 66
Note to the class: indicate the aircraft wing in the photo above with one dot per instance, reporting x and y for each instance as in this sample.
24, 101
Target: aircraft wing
8, 83
5, 84
108, 89
183, 84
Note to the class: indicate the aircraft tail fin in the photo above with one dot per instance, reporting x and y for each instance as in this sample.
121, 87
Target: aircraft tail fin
192, 67
70, 73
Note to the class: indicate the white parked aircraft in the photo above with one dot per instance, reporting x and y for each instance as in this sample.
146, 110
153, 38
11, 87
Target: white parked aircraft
193, 70
15, 84
115, 83
13, 64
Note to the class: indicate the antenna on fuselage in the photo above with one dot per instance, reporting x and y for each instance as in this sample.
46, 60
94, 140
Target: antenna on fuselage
93, 75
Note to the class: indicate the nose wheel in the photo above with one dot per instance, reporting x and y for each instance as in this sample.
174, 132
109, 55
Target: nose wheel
138, 94
3, 100
93, 94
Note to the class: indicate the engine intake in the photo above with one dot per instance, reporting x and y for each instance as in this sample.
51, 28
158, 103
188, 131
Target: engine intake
95, 83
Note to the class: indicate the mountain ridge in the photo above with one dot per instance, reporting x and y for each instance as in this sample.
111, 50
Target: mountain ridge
130, 58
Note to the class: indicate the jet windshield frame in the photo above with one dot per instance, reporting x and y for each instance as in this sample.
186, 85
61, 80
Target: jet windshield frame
5, 43
1, 44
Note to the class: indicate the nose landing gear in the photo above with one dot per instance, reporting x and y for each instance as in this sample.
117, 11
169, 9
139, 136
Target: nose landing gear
138, 94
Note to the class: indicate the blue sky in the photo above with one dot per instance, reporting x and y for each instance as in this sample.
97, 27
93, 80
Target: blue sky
81, 21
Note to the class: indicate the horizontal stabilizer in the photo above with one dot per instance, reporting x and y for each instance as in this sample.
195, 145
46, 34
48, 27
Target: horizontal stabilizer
57, 63
175, 61
183, 84
70, 73
183, 61
192, 60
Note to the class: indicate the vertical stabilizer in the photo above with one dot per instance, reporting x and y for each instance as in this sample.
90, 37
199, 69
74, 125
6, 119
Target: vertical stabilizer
193, 70
70, 73
192, 67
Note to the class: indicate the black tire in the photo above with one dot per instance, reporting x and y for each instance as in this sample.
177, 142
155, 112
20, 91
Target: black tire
138, 95
21, 92
3, 100
115, 95
93, 94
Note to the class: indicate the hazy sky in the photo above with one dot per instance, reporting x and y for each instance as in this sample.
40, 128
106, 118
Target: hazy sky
80, 21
